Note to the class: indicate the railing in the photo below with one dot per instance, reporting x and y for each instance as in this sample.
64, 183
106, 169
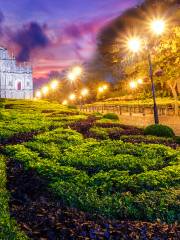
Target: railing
130, 110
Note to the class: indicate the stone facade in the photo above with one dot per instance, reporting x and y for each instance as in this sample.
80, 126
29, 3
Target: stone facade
15, 80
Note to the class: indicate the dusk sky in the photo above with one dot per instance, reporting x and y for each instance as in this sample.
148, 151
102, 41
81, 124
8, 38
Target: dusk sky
54, 34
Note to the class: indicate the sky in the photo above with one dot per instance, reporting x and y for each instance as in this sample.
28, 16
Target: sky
55, 34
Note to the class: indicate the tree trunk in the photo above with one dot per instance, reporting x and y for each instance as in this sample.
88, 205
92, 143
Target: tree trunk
175, 96
178, 86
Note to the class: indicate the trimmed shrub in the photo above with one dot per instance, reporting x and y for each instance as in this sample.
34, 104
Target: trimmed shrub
112, 116
99, 133
72, 107
97, 115
159, 131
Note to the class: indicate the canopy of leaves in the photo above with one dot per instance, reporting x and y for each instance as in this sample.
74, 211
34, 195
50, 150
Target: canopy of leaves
113, 38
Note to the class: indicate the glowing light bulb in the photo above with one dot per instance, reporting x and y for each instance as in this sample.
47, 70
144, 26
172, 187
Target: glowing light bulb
45, 90
38, 94
158, 26
65, 102
84, 92
54, 84
140, 81
72, 97
134, 44
133, 84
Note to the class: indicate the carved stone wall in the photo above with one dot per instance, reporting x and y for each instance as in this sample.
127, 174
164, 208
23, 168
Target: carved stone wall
15, 80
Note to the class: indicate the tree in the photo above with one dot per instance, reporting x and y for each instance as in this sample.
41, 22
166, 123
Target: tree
111, 41
167, 62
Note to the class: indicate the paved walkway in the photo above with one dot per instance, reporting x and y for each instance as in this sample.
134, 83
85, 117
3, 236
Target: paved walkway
140, 120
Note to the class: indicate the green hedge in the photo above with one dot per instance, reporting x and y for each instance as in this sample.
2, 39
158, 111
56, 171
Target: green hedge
8, 227
159, 131
89, 180
111, 116
99, 133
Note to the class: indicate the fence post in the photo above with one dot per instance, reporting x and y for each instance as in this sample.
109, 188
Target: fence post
143, 111
130, 111
120, 111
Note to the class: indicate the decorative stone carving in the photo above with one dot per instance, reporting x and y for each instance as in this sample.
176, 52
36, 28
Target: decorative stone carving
15, 80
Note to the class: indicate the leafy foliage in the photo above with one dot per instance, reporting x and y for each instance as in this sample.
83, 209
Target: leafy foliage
8, 227
101, 175
111, 116
159, 131
109, 177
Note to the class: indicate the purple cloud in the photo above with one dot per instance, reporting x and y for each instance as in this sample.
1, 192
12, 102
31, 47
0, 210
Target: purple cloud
30, 37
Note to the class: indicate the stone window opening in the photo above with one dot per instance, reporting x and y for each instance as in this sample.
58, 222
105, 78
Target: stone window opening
19, 86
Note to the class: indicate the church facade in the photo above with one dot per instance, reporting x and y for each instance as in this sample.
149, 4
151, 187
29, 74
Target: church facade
15, 79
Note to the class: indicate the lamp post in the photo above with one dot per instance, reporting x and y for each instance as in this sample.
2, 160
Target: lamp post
38, 94
54, 84
74, 74
72, 97
134, 44
84, 93
156, 116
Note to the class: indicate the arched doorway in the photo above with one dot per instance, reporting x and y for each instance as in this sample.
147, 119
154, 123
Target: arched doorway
19, 86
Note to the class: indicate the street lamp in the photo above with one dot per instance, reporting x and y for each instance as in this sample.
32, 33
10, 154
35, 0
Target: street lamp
105, 87
38, 94
65, 102
74, 73
100, 89
133, 84
84, 92
54, 84
71, 76
158, 26
134, 45
45, 90
77, 70
140, 81
72, 97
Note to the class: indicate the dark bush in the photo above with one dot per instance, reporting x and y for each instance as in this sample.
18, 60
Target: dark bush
112, 116
159, 131
83, 126
72, 107
177, 139
9, 106
98, 133
48, 111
